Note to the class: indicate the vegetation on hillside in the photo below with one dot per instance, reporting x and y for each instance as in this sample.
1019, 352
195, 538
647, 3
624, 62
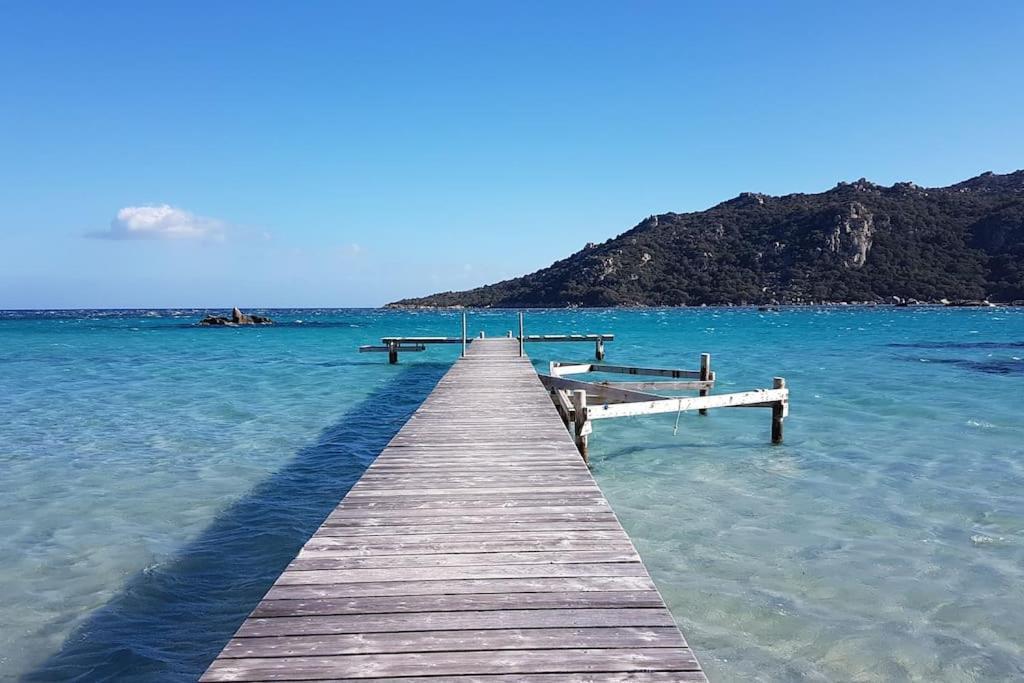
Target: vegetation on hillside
856, 242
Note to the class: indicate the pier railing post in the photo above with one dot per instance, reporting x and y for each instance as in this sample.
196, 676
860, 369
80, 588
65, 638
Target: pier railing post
463, 334
778, 411
705, 376
580, 426
522, 340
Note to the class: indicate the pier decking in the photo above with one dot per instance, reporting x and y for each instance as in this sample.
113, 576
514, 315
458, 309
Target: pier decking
477, 546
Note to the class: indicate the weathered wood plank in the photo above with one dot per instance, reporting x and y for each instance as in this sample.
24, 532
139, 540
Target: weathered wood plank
448, 520
507, 530
347, 547
257, 627
297, 574
592, 677
400, 534
461, 603
325, 559
673, 405
458, 663
451, 641
472, 503
516, 511
460, 587
377, 492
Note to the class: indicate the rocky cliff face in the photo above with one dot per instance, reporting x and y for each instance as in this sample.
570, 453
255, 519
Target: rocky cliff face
856, 242
852, 237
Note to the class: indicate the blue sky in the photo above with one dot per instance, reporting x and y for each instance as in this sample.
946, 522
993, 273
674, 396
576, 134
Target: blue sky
166, 154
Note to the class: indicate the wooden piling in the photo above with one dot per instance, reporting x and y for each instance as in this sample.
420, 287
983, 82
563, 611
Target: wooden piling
581, 426
599, 349
463, 334
778, 411
522, 337
392, 353
705, 376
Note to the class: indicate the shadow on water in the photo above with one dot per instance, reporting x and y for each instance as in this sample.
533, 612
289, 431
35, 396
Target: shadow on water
958, 345
171, 620
1007, 366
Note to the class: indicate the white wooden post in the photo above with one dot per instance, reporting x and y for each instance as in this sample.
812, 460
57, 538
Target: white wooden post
463, 334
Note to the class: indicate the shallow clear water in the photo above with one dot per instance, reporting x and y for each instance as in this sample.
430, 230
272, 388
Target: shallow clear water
157, 477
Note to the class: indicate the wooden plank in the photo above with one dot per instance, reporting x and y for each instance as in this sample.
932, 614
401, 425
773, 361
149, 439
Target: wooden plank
592, 677
326, 559
257, 627
390, 535
423, 340
388, 349
505, 530
362, 548
451, 641
455, 663
464, 518
296, 574
607, 393
434, 505
430, 481
569, 337
461, 603
469, 491
461, 587
658, 386
556, 369
476, 547
673, 405
650, 372
524, 511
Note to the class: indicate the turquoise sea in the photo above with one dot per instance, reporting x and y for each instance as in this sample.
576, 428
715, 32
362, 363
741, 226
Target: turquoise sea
155, 477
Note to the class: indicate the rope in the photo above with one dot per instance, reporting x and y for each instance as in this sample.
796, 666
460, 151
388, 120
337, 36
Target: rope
675, 430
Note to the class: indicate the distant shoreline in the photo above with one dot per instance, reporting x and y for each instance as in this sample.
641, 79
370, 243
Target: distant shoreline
403, 307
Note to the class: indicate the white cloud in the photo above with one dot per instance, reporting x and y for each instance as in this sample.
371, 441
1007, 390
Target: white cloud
348, 252
161, 222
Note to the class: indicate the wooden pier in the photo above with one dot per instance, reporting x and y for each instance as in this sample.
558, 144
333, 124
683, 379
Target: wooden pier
477, 546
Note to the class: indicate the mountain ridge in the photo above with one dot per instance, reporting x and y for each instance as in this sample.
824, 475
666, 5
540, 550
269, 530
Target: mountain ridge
856, 242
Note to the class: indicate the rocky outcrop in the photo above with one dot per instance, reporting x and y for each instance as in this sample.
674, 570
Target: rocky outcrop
237, 318
851, 239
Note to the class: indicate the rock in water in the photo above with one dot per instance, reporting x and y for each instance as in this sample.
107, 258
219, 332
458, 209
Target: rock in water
237, 318
211, 320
